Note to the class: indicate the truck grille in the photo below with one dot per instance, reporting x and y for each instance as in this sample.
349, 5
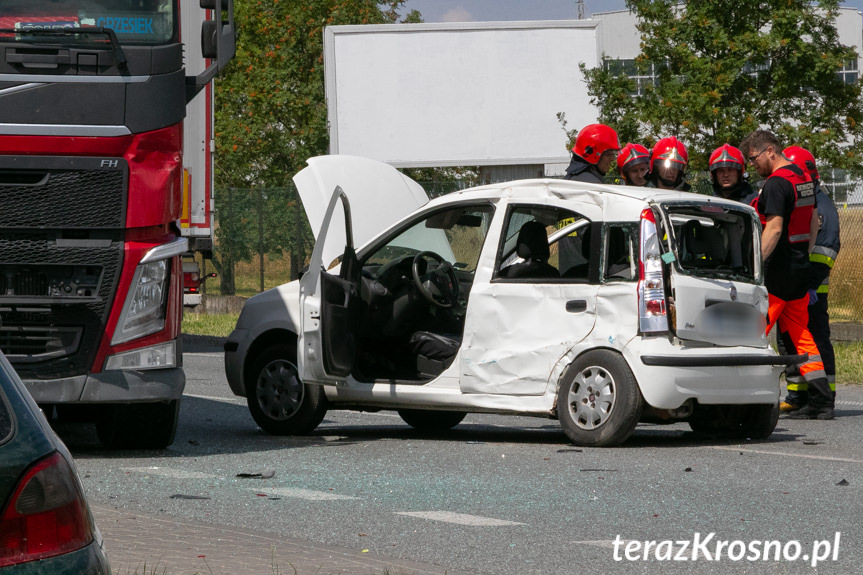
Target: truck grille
61, 252
32, 344
62, 193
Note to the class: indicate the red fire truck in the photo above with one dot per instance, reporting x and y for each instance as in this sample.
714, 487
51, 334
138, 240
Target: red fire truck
93, 95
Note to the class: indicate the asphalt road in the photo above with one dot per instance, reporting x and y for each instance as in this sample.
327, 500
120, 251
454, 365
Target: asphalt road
503, 495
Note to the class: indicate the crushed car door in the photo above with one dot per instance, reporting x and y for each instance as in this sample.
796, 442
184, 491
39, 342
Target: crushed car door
539, 302
328, 302
713, 252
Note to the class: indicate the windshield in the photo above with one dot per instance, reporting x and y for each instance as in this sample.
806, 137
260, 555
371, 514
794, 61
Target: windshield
134, 21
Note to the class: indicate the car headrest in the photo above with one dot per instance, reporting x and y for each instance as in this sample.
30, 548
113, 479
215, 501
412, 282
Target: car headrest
532, 242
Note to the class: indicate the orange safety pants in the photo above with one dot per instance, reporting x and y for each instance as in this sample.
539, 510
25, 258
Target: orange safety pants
793, 318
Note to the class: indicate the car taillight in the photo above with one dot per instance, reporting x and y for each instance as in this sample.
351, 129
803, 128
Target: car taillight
652, 316
46, 515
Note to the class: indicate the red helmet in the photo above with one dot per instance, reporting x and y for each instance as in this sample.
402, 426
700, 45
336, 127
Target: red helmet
669, 150
631, 155
803, 158
727, 156
593, 140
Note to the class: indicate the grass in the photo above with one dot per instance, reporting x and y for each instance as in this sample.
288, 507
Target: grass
217, 325
849, 362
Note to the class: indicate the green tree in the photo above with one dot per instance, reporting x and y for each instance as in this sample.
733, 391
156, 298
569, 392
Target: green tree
271, 116
726, 68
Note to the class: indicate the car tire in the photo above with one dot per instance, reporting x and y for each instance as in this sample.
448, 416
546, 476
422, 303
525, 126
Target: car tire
599, 403
739, 421
431, 420
279, 402
138, 425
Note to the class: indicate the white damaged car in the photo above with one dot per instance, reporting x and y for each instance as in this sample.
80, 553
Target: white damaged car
600, 306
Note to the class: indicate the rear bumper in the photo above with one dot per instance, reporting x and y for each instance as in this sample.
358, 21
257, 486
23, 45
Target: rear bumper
192, 299
111, 387
722, 360
89, 559
670, 373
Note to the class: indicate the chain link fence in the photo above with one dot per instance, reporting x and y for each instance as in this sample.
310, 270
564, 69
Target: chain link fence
263, 238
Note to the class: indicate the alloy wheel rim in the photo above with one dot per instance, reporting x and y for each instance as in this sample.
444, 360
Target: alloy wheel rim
591, 398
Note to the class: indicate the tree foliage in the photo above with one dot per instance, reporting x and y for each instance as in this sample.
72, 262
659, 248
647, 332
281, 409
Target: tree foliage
726, 68
271, 116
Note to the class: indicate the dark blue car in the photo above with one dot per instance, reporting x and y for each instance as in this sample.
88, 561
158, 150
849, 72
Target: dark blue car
45, 522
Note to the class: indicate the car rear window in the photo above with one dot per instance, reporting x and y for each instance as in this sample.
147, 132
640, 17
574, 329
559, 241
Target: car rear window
713, 242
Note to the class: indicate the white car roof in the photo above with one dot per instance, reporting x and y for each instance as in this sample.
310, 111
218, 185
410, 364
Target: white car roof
380, 196
606, 194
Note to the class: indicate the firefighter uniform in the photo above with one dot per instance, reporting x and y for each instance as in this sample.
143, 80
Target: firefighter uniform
821, 262
789, 192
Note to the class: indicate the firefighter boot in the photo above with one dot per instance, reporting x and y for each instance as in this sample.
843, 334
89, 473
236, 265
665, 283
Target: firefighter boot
820, 402
798, 393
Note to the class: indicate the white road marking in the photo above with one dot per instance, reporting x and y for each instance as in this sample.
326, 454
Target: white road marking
802, 455
169, 472
306, 494
231, 400
459, 518
851, 403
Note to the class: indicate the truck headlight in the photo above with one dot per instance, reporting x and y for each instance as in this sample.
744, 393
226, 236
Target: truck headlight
154, 357
144, 310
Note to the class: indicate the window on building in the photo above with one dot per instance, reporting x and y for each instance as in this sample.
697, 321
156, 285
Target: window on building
849, 73
642, 79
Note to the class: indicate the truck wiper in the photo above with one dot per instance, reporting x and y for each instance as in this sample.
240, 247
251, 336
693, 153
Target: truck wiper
119, 55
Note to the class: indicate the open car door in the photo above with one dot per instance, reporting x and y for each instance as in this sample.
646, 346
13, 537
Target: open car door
348, 200
328, 304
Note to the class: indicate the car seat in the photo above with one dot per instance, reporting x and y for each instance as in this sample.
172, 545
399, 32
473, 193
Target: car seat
532, 247
434, 352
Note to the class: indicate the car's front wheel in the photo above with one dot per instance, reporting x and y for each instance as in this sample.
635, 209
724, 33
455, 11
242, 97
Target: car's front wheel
280, 403
599, 403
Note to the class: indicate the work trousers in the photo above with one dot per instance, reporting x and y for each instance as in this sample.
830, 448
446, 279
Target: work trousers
792, 317
819, 327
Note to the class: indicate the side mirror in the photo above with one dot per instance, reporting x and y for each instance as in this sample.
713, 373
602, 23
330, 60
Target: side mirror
218, 43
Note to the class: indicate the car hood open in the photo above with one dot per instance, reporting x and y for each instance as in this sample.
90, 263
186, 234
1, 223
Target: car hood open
379, 196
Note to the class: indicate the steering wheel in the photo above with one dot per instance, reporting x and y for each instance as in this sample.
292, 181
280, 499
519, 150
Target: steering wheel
439, 285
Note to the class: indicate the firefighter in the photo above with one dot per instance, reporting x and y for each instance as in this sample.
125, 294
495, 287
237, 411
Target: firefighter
727, 166
632, 164
786, 207
821, 261
595, 150
668, 161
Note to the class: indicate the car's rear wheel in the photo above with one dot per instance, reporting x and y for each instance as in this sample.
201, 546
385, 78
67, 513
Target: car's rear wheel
429, 420
599, 403
138, 425
280, 403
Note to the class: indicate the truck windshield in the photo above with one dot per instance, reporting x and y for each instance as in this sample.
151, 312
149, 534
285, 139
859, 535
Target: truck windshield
133, 21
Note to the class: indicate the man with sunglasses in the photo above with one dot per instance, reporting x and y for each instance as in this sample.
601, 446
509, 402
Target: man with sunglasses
786, 207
